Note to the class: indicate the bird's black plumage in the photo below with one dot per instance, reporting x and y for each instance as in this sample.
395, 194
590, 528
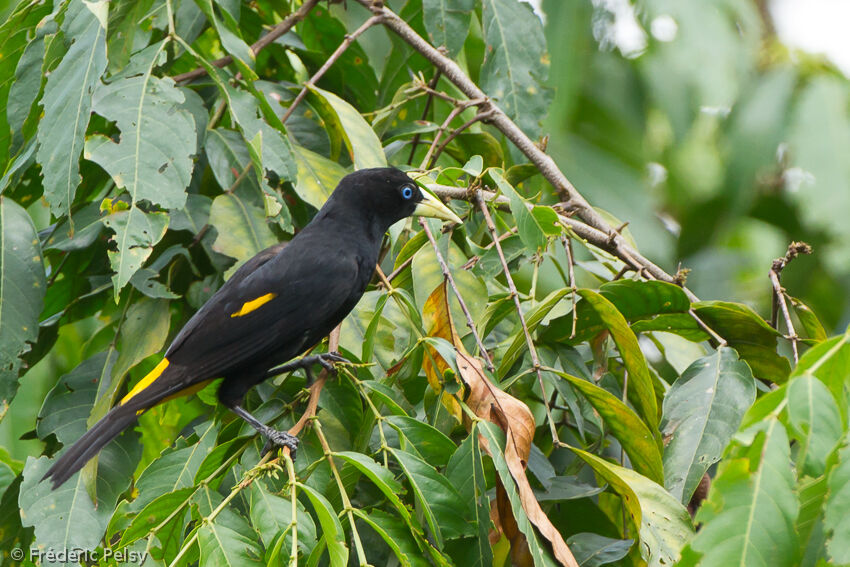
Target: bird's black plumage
278, 304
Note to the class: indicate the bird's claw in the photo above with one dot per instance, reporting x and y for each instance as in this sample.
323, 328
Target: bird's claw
280, 439
327, 360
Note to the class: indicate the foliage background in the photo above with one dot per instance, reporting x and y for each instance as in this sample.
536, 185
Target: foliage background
716, 143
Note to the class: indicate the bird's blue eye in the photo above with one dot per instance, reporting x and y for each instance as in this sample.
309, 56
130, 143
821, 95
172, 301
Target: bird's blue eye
407, 192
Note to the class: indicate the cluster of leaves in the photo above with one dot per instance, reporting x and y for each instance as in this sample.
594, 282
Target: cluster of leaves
127, 198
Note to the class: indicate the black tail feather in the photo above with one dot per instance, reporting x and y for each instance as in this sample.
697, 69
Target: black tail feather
92, 441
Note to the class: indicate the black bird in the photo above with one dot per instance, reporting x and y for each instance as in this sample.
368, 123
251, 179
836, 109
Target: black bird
278, 304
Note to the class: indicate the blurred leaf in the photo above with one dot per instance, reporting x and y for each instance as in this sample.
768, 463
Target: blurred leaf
830, 362
396, 536
632, 433
836, 509
815, 423
592, 550
702, 410
533, 318
447, 22
516, 64
68, 102
748, 518
22, 287
663, 523
811, 324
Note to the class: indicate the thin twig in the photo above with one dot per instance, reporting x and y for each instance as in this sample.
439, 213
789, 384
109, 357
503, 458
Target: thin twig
515, 295
311, 82
432, 84
277, 31
400, 269
459, 107
794, 250
779, 294
568, 248
481, 116
448, 275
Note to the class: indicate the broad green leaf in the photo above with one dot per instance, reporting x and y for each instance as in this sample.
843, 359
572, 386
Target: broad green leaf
447, 22
516, 65
749, 334
632, 433
271, 515
229, 540
466, 472
228, 33
331, 528
87, 227
811, 324
175, 468
241, 226
66, 518
26, 87
662, 522
748, 518
642, 302
809, 525
68, 102
136, 233
815, 422
641, 392
22, 288
837, 508
362, 143
431, 443
228, 157
396, 535
380, 477
592, 550
67, 406
532, 319
702, 410
830, 362
437, 498
529, 231
317, 176
153, 518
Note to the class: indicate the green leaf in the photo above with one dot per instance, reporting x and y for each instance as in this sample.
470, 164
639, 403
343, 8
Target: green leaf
153, 518
592, 550
431, 443
809, 525
447, 22
437, 498
533, 318
641, 392
136, 233
702, 410
748, 518
837, 508
22, 287
241, 225
532, 235
229, 540
228, 32
830, 362
466, 472
663, 523
815, 423
68, 102
811, 324
317, 176
747, 333
272, 514
396, 535
362, 143
516, 65
624, 424
380, 477
331, 528
66, 518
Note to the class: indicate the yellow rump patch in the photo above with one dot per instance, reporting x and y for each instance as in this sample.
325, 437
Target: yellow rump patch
146, 381
254, 304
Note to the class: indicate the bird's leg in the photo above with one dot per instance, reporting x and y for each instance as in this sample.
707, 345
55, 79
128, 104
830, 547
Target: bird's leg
274, 438
326, 359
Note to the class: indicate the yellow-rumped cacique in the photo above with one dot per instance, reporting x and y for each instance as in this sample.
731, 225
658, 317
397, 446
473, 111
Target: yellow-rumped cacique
278, 304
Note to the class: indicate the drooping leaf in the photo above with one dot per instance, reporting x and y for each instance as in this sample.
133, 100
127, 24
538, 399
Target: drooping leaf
241, 225
702, 410
466, 472
22, 288
516, 64
317, 176
363, 145
447, 22
396, 535
68, 102
331, 528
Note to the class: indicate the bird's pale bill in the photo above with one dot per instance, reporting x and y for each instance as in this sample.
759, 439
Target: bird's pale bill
430, 206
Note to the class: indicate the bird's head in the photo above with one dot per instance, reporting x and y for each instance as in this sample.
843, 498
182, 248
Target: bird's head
387, 195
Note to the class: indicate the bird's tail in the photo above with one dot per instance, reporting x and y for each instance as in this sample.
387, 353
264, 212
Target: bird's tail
154, 388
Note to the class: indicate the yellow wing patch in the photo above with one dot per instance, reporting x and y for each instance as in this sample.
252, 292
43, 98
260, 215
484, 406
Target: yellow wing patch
146, 381
254, 304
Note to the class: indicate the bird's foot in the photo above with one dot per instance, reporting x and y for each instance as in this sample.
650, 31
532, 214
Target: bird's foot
278, 440
327, 360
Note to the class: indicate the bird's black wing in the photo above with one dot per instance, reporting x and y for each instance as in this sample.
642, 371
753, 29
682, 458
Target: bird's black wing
275, 311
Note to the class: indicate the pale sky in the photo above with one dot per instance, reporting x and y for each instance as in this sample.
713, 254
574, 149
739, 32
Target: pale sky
816, 26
